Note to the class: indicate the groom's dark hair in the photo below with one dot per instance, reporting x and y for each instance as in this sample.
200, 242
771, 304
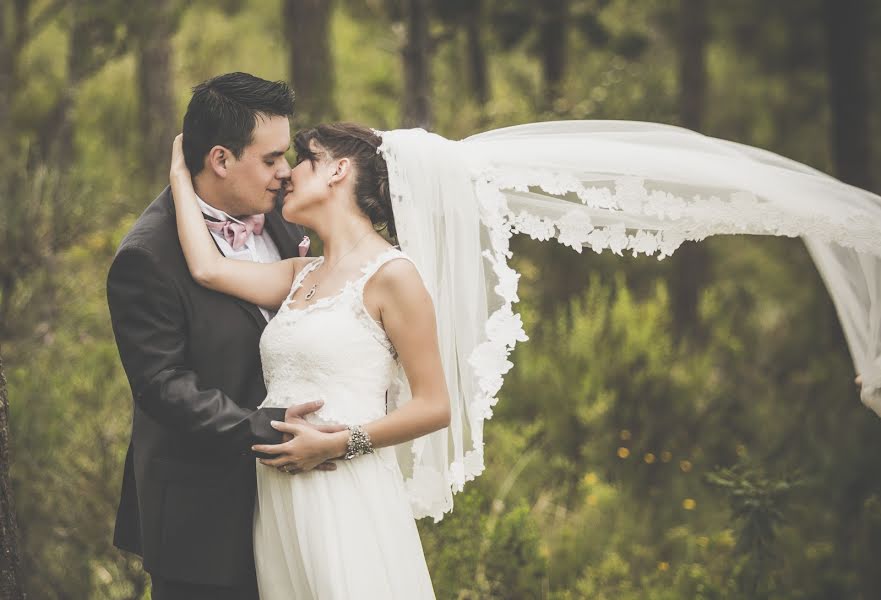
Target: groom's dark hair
223, 112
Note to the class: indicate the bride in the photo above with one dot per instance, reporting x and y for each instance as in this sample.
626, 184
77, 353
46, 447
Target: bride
409, 349
345, 322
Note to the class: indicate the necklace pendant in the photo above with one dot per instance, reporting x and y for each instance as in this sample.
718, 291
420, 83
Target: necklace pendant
311, 292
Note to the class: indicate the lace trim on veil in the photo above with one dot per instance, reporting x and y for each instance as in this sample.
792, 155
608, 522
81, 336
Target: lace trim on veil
679, 218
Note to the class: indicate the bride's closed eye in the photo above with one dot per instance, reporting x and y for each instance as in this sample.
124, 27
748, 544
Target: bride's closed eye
304, 155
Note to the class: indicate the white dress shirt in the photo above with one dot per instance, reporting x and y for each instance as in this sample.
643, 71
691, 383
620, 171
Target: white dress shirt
258, 248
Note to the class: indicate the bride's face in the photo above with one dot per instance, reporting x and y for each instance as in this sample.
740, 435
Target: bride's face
309, 185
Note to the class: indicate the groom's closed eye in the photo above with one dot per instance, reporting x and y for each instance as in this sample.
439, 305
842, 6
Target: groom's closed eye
269, 159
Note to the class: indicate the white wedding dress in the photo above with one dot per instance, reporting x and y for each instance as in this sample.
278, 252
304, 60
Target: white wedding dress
348, 533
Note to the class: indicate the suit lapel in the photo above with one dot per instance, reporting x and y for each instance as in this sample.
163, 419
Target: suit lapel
275, 226
252, 310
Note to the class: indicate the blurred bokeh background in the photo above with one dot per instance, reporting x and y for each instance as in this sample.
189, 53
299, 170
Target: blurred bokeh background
687, 428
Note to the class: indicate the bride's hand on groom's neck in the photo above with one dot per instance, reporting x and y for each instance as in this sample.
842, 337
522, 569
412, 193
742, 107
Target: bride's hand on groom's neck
178, 162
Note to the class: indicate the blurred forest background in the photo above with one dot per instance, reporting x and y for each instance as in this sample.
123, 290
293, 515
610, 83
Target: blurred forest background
679, 429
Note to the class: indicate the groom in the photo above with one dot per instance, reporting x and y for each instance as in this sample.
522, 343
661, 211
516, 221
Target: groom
191, 355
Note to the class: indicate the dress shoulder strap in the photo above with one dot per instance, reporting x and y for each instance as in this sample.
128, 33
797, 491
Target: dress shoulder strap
370, 269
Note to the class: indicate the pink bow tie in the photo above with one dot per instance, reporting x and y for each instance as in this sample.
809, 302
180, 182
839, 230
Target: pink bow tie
237, 234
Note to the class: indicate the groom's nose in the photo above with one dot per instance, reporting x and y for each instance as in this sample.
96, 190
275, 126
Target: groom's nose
284, 171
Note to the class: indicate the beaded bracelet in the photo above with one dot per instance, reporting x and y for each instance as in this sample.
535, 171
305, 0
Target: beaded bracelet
359, 442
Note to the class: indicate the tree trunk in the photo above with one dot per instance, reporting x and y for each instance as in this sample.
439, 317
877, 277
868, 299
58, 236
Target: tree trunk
417, 64
95, 40
692, 63
690, 264
157, 115
552, 39
847, 78
59, 143
476, 55
7, 69
10, 562
846, 35
13, 32
310, 60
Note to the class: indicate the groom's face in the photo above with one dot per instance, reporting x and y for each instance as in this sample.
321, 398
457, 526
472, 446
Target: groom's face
256, 177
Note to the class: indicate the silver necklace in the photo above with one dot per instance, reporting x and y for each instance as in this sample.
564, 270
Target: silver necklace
314, 287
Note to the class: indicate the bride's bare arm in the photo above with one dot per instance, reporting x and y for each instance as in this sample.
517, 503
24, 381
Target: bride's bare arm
265, 285
409, 321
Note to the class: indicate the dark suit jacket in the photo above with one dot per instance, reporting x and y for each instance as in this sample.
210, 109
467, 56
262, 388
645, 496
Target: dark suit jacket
191, 356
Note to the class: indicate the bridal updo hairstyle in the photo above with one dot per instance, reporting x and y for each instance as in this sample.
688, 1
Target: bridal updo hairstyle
360, 145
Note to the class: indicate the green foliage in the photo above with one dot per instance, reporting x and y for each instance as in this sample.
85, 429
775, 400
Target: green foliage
490, 545
757, 503
630, 422
70, 426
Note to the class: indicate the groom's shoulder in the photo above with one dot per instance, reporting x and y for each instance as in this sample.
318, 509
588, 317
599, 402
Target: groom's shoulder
154, 231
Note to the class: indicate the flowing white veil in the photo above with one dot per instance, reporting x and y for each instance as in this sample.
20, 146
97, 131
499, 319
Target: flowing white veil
607, 185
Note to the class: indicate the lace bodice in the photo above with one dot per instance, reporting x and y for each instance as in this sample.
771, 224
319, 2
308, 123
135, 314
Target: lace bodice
332, 350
